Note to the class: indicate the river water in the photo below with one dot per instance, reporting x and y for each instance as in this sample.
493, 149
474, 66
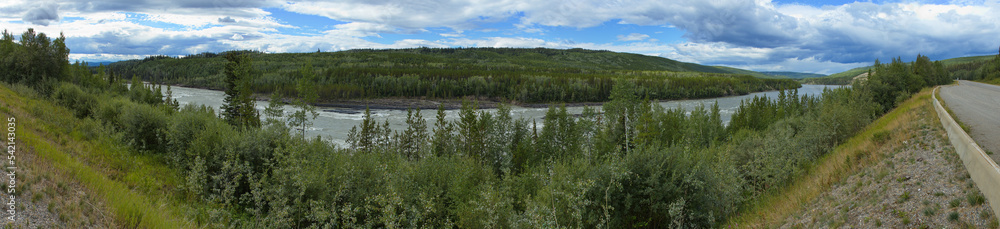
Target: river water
334, 126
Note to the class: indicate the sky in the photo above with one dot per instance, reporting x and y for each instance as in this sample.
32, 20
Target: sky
826, 36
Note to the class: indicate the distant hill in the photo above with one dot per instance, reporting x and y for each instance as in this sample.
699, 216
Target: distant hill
846, 76
748, 72
529, 59
521, 74
95, 64
794, 75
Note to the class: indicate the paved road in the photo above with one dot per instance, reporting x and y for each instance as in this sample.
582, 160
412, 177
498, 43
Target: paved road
978, 106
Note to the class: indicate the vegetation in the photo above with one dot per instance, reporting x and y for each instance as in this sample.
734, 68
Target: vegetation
503, 74
967, 68
239, 108
634, 165
794, 75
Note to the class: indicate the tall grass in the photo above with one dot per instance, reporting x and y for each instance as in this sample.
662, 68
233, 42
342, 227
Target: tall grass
95, 163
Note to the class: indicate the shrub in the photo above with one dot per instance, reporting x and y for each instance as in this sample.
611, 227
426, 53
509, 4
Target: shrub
144, 126
109, 109
71, 96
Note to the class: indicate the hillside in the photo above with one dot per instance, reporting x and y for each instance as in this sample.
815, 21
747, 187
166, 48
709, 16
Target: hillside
794, 75
953, 65
748, 72
512, 74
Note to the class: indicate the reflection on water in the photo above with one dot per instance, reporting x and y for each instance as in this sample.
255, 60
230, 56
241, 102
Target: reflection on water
334, 126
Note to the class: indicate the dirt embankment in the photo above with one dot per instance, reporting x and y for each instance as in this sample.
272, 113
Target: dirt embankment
920, 183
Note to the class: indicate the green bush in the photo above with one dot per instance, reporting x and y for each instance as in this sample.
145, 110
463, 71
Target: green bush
109, 109
71, 96
144, 126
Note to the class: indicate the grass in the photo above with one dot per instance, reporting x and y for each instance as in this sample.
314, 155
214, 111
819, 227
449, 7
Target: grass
955, 202
994, 81
773, 207
975, 199
904, 197
93, 160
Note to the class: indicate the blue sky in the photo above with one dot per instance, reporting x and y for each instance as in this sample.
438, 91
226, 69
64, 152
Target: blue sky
780, 35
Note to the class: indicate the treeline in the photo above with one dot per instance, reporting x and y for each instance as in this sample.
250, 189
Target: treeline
988, 70
966, 68
634, 165
503, 74
34, 60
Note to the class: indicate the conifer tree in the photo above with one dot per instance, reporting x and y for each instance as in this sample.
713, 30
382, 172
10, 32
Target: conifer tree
239, 108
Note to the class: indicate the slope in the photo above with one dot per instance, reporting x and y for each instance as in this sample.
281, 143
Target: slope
845, 77
513, 74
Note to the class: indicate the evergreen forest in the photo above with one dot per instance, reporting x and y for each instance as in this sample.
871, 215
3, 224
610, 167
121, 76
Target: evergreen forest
516, 75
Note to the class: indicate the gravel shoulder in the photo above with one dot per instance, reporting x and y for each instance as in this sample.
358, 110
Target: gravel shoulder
918, 183
977, 105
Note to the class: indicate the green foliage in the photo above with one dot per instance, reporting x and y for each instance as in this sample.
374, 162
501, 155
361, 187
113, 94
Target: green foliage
991, 69
143, 126
239, 105
306, 86
412, 142
34, 60
71, 96
672, 188
275, 109
523, 75
794, 75
890, 83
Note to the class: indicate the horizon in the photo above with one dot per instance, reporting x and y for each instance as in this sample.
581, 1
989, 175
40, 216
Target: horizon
823, 37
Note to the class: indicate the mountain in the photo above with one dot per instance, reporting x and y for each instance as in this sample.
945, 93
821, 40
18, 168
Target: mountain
794, 75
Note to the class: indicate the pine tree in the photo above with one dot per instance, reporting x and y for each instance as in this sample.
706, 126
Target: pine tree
308, 95
239, 108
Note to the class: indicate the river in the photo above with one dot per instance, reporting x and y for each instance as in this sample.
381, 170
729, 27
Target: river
334, 126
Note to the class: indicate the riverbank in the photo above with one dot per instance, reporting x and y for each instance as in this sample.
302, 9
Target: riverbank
402, 104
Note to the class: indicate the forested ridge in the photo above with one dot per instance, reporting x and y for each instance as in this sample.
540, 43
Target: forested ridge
636, 165
968, 68
502, 74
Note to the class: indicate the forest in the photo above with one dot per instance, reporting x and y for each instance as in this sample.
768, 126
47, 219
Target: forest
515, 75
967, 68
636, 165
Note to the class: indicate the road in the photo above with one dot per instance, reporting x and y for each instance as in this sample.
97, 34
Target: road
977, 105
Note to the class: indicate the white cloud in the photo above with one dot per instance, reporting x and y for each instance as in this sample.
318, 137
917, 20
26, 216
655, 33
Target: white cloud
633, 37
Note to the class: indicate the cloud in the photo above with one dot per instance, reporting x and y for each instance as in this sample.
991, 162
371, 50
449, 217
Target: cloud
459, 14
227, 19
633, 37
42, 15
365, 29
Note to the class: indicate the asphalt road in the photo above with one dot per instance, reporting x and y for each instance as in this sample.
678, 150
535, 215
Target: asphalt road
977, 105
